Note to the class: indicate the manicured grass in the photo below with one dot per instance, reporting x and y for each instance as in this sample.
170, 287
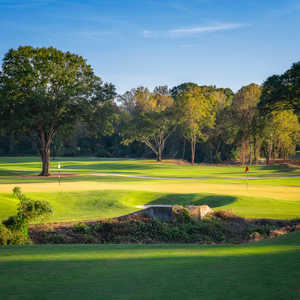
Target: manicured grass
88, 196
87, 205
264, 270
32, 165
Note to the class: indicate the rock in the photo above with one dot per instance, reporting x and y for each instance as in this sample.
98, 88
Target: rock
256, 236
199, 212
169, 212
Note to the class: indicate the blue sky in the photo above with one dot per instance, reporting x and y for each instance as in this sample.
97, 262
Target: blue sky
227, 43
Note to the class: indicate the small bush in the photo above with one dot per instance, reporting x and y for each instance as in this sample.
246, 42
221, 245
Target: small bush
14, 223
181, 214
28, 210
81, 228
9, 237
55, 238
19, 238
5, 235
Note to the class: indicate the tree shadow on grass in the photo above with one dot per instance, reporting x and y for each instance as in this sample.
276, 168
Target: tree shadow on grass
7, 172
195, 199
279, 168
91, 272
111, 167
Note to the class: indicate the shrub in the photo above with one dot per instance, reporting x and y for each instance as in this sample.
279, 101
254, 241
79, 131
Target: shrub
14, 223
81, 228
181, 214
5, 235
28, 210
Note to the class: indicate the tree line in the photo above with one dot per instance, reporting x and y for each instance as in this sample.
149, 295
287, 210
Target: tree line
52, 102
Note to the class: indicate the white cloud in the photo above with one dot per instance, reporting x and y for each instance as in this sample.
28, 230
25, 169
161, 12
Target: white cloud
190, 31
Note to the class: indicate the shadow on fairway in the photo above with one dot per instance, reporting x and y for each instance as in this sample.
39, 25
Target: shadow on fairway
7, 172
281, 168
112, 167
195, 199
152, 271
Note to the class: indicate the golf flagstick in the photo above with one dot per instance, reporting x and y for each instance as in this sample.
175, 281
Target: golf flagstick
58, 173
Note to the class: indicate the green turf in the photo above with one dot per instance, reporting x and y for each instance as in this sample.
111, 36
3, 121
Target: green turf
264, 270
32, 165
88, 196
76, 206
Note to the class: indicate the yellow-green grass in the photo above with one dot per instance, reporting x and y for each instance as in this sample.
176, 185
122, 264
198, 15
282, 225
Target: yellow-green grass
87, 196
32, 165
266, 270
87, 205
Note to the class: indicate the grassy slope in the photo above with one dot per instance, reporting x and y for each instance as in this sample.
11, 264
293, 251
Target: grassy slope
264, 270
76, 206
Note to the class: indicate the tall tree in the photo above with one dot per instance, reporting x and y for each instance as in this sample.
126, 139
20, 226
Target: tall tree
281, 134
148, 118
43, 90
244, 108
282, 92
218, 143
196, 114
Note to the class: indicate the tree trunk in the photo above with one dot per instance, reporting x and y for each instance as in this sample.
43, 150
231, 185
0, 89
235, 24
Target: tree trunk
193, 146
45, 139
11, 145
250, 147
270, 148
183, 150
159, 153
257, 147
243, 152
45, 156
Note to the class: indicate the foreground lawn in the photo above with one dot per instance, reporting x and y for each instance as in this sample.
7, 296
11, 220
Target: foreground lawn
264, 270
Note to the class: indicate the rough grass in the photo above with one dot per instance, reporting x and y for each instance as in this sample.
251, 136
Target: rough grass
264, 270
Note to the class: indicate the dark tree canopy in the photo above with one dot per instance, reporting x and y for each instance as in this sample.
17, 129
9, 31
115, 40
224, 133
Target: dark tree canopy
43, 90
281, 92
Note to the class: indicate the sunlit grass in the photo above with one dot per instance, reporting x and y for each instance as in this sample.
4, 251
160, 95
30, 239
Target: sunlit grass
32, 165
95, 204
87, 196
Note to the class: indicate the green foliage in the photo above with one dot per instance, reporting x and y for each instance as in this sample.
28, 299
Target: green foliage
148, 118
5, 235
31, 210
28, 210
217, 228
45, 90
282, 92
181, 214
196, 114
16, 223
244, 113
281, 134
81, 228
